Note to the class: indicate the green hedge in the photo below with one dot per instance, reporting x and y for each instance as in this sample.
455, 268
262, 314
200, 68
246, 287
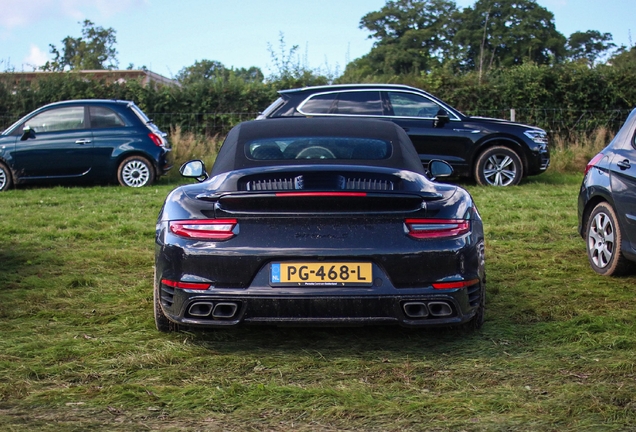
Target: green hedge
566, 98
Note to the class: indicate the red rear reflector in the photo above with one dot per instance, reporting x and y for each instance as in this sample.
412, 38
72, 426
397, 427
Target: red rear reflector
204, 229
185, 285
436, 228
454, 285
321, 194
596, 159
156, 139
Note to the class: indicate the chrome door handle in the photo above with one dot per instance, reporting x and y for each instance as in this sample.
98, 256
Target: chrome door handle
624, 164
83, 141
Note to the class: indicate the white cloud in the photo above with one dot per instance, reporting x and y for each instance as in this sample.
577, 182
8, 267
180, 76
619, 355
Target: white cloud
36, 57
19, 13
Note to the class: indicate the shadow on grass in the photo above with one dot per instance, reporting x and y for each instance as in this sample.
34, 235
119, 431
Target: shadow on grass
349, 340
15, 264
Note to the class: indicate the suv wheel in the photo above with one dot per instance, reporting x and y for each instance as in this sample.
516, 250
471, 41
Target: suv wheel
5, 178
498, 166
604, 238
135, 171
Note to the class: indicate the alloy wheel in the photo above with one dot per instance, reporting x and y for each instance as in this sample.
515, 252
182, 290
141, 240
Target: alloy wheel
500, 170
135, 173
601, 240
3, 179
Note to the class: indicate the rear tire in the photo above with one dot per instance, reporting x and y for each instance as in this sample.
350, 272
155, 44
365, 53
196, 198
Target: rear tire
477, 321
498, 166
604, 238
5, 177
135, 171
162, 322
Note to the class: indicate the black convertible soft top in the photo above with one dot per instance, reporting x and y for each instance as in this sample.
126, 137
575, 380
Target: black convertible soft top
232, 154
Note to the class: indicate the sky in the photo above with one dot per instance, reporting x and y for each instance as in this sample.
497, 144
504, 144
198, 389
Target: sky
168, 35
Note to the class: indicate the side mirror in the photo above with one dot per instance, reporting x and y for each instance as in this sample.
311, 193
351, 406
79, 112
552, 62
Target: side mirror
194, 169
441, 118
439, 168
27, 133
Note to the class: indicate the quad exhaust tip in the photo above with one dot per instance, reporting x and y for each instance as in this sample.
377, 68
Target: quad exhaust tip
418, 309
224, 310
415, 309
440, 309
221, 310
201, 309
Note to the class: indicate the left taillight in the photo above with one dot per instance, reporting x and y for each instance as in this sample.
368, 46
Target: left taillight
205, 229
596, 159
436, 228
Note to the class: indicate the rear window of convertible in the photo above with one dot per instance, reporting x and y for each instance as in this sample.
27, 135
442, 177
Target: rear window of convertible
318, 148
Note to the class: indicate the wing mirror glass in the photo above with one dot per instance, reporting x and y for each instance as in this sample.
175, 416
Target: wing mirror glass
27, 133
439, 168
194, 169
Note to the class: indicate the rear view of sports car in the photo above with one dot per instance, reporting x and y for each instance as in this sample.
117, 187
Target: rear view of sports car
317, 221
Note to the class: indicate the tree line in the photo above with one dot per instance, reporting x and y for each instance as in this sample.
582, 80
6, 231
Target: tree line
484, 59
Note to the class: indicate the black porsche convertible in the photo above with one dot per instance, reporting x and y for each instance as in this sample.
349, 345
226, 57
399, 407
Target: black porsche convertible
317, 221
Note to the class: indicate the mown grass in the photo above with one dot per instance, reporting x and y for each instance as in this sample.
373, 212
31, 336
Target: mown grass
79, 349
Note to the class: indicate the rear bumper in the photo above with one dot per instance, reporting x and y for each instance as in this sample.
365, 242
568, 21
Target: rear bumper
411, 308
166, 161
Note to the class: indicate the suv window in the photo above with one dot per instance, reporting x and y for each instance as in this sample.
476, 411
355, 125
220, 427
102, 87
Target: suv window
59, 119
319, 104
359, 103
412, 105
102, 117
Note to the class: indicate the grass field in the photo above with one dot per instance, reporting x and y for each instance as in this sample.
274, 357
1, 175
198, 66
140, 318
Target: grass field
79, 350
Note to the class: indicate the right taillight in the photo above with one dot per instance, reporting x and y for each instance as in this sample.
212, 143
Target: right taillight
436, 228
593, 162
205, 229
156, 139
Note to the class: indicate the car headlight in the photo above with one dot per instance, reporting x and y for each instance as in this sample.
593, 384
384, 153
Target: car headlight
538, 136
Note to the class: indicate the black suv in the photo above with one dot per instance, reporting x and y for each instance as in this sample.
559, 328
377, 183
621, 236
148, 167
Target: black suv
493, 151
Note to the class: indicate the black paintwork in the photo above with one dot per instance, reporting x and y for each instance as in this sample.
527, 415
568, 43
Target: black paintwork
613, 180
459, 141
318, 229
88, 153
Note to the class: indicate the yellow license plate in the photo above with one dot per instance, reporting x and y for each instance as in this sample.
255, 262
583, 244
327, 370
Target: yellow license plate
321, 274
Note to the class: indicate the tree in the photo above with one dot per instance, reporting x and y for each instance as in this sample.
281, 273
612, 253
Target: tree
95, 49
288, 72
251, 74
624, 58
207, 70
200, 71
412, 35
589, 45
506, 33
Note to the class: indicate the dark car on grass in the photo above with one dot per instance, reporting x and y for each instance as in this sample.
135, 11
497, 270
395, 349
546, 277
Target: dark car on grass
82, 140
492, 151
318, 222
607, 204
